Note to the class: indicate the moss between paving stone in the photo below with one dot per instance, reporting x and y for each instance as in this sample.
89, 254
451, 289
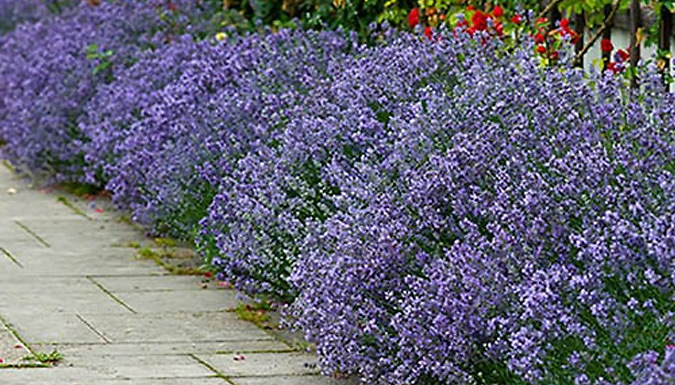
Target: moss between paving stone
8, 165
267, 317
71, 206
175, 260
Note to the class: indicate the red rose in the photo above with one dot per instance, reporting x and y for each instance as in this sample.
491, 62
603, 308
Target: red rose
541, 49
538, 38
414, 17
470, 8
611, 66
499, 27
427, 32
516, 19
541, 20
564, 23
497, 11
479, 21
554, 55
622, 55
606, 45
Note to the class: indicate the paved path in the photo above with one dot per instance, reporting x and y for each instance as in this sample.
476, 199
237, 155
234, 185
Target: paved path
68, 282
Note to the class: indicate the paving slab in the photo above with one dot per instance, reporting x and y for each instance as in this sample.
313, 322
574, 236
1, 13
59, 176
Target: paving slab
77, 233
11, 234
28, 203
78, 353
179, 301
135, 367
52, 328
20, 284
53, 376
170, 381
263, 364
84, 262
174, 327
156, 283
53, 302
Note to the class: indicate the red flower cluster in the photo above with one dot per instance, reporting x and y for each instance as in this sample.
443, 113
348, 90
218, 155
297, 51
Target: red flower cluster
430, 14
622, 55
550, 48
606, 45
414, 17
539, 38
565, 30
619, 63
428, 33
479, 20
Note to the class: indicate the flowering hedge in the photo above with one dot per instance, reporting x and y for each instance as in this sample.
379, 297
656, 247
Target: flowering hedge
519, 229
53, 67
433, 212
13, 12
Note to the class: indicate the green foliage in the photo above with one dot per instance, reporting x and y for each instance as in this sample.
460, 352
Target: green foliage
356, 15
102, 60
256, 313
171, 260
45, 358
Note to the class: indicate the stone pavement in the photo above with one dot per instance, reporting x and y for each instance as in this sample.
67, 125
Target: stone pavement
68, 282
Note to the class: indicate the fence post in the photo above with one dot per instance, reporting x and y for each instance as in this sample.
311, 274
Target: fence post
635, 24
555, 16
579, 28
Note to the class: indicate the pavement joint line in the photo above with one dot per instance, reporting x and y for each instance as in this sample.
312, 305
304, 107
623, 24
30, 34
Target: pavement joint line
275, 336
92, 328
111, 295
8, 166
212, 368
66, 202
31, 232
11, 257
16, 335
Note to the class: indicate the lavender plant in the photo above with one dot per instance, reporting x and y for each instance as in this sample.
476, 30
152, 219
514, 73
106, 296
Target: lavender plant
52, 68
516, 232
48, 77
13, 12
287, 186
230, 99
